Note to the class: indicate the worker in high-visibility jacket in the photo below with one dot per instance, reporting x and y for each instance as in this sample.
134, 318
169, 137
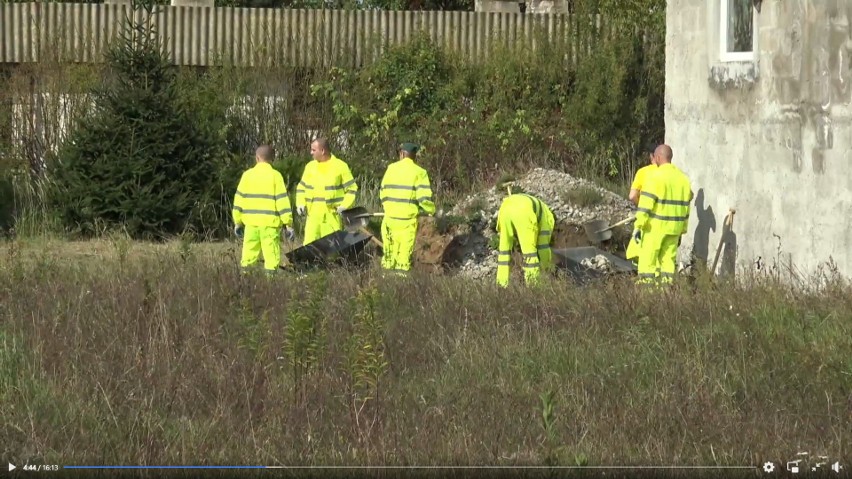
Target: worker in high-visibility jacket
531, 221
262, 212
636, 187
661, 218
405, 193
326, 189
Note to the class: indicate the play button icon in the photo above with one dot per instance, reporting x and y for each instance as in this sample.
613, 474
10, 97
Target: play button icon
11, 467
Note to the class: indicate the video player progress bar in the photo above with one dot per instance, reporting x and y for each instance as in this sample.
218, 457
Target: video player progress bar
410, 467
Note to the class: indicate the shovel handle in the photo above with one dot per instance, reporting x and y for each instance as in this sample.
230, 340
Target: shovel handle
622, 222
372, 237
369, 215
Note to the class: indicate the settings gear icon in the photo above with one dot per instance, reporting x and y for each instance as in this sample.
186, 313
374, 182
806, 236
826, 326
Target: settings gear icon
768, 467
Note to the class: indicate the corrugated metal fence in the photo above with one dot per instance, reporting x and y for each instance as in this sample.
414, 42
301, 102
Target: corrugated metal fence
74, 32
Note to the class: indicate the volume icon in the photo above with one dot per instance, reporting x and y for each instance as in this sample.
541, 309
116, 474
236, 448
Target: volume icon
836, 467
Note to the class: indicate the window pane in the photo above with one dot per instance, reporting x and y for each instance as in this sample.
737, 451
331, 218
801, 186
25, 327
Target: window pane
740, 25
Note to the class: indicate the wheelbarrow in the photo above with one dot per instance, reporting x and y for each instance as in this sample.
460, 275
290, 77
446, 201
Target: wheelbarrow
329, 248
597, 230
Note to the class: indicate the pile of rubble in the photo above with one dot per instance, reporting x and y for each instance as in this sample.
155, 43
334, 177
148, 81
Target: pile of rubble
552, 187
598, 263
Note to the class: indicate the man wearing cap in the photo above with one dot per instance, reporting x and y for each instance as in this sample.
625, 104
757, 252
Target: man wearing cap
261, 210
327, 188
405, 193
640, 179
531, 221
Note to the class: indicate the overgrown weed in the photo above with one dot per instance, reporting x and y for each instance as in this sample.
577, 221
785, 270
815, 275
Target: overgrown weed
149, 359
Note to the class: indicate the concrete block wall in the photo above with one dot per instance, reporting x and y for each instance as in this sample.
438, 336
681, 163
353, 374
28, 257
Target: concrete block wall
771, 138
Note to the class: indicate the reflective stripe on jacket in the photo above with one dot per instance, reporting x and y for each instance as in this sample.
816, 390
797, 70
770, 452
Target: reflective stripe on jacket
406, 190
261, 198
326, 185
664, 202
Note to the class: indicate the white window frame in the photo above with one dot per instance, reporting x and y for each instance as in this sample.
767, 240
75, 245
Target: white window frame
724, 54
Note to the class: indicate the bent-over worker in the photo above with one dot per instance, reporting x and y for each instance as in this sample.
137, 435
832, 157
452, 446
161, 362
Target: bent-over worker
261, 209
405, 193
661, 218
326, 188
531, 221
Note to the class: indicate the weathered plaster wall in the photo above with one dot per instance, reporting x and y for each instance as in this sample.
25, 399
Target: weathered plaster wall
771, 138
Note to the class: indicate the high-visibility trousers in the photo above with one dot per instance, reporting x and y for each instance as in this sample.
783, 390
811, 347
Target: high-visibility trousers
657, 258
321, 222
261, 239
398, 237
535, 248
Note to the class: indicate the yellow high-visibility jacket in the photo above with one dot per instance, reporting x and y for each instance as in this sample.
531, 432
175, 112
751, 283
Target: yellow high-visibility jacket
641, 175
521, 206
326, 185
261, 198
664, 202
406, 190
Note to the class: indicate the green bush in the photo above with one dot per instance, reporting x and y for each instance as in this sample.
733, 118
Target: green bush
291, 168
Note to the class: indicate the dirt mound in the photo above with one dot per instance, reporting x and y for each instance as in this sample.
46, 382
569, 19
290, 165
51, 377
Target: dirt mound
464, 239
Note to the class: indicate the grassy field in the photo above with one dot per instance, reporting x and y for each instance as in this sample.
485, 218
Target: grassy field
115, 352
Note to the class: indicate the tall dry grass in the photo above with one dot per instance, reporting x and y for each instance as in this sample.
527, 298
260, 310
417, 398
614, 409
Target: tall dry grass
125, 355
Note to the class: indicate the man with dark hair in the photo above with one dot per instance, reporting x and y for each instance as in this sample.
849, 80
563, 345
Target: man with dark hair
326, 189
261, 209
405, 193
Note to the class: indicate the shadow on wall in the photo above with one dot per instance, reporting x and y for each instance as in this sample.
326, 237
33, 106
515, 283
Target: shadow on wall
729, 250
701, 238
727, 256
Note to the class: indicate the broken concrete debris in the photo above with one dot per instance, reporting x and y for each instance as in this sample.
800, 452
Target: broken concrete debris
574, 201
598, 263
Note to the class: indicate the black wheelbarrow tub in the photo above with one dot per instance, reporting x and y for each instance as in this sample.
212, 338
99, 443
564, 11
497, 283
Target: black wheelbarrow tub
329, 248
571, 261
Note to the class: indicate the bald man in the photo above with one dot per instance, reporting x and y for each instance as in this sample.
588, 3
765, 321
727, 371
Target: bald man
661, 218
261, 210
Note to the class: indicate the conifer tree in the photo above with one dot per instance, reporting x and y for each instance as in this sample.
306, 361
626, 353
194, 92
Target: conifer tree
138, 160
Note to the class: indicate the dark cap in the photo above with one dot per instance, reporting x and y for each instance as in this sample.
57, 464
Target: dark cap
409, 147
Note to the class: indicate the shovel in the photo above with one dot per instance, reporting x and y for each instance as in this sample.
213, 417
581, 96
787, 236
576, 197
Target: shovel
358, 217
597, 230
355, 219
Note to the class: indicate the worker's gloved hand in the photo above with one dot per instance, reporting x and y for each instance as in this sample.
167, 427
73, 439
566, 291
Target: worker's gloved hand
301, 211
238, 231
340, 210
637, 236
289, 233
